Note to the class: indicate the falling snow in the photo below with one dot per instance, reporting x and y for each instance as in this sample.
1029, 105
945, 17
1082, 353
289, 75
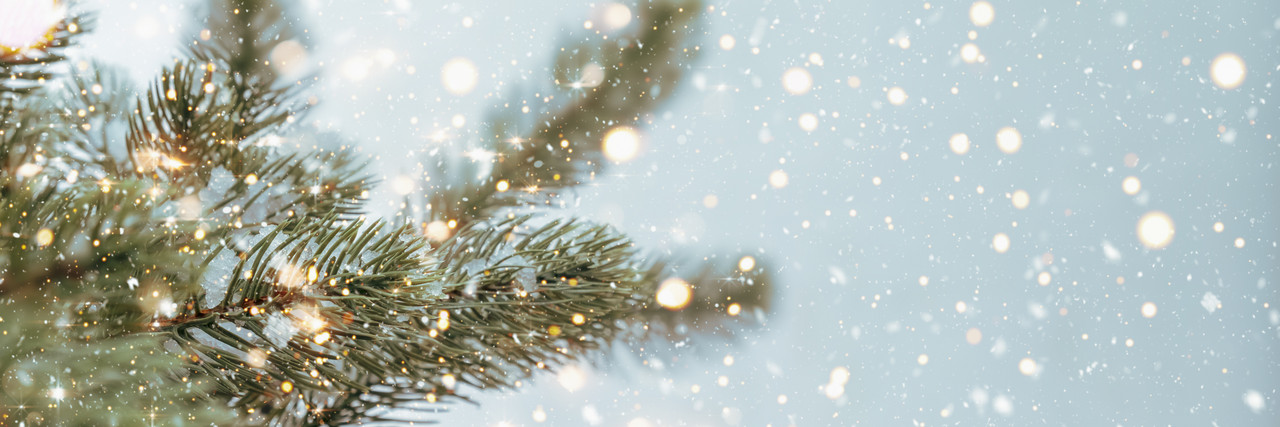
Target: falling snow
1005, 213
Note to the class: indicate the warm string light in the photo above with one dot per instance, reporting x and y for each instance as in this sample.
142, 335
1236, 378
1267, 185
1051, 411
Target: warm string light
674, 294
621, 144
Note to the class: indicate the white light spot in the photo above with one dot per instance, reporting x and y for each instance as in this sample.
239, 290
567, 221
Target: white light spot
959, 143
459, 76
1028, 367
1155, 230
616, 16
727, 42
403, 185
1021, 199
1228, 71
1255, 401
896, 95
808, 122
674, 294
1000, 242
621, 144
1009, 140
356, 69
778, 179
1149, 309
571, 378
1131, 185
970, 53
797, 81
981, 13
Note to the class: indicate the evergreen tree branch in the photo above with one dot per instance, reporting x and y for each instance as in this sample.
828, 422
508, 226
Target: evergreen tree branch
562, 148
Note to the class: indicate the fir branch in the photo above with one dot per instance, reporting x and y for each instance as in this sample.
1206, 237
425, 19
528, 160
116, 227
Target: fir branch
721, 289
241, 37
74, 314
92, 104
184, 130
563, 148
520, 300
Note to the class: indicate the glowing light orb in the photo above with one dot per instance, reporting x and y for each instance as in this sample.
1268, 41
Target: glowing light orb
674, 294
970, 53
571, 378
778, 179
57, 393
615, 16
797, 81
256, 358
449, 381
1218, 227
1028, 367
1148, 310
1155, 230
44, 237
1021, 199
922, 359
1228, 71
402, 185
839, 375
746, 263
459, 76
438, 231
592, 75
959, 143
1131, 185
897, 96
727, 42
834, 391
27, 24
1255, 401
288, 57
973, 336
355, 69
1044, 278
961, 307
621, 144
735, 309
1000, 242
982, 13
808, 122
1009, 140
1239, 243
539, 414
